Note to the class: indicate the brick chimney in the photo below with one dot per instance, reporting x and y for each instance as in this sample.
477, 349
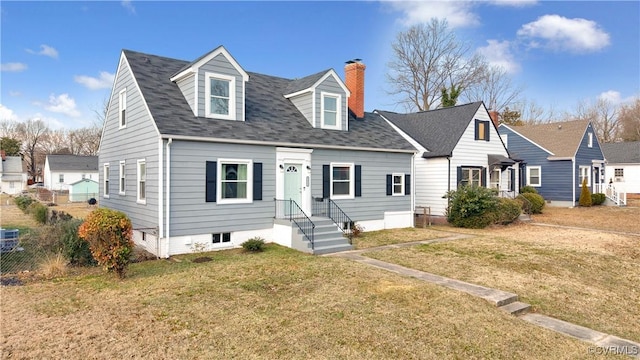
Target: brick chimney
3, 155
494, 117
354, 78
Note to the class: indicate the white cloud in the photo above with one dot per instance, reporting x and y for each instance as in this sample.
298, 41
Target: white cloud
63, 104
560, 33
611, 96
15, 93
103, 82
13, 67
7, 114
514, 3
129, 6
498, 53
457, 13
45, 50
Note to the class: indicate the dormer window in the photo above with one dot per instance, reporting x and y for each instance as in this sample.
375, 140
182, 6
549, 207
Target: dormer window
330, 111
220, 99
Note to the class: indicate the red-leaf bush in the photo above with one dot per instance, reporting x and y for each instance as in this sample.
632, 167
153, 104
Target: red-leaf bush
109, 233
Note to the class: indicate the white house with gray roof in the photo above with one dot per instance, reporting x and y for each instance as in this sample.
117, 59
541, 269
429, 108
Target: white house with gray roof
623, 165
456, 145
205, 155
12, 178
60, 171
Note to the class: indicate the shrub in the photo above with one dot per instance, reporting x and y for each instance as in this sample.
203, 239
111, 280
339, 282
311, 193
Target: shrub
74, 248
39, 212
507, 211
585, 195
528, 190
53, 266
598, 198
532, 203
23, 202
468, 206
108, 233
254, 244
356, 230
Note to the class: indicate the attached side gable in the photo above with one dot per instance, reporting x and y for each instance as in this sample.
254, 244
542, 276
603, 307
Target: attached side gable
512, 130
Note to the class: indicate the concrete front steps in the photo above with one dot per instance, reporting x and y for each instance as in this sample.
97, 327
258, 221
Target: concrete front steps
328, 238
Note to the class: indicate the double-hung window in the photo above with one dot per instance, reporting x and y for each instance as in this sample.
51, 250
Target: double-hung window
471, 177
342, 181
235, 181
330, 111
142, 181
220, 96
122, 108
121, 184
398, 184
534, 176
105, 173
618, 173
482, 130
585, 174
590, 140
61, 178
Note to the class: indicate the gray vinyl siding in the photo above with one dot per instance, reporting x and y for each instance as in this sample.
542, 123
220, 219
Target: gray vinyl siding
191, 214
374, 201
188, 89
330, 85
304, 103
220, 65
138, 140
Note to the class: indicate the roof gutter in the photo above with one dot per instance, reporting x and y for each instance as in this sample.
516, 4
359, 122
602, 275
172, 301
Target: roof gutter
281, 144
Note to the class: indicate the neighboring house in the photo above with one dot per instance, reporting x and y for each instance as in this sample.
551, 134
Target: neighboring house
83, 190
623, 165
203, 155
456, 145
558, 157
12, 179
60, 171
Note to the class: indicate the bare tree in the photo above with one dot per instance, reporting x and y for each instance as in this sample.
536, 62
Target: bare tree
603, 114
8, 128
31, 133
495, 88
85, 141
427, 59
630, 121
531, 113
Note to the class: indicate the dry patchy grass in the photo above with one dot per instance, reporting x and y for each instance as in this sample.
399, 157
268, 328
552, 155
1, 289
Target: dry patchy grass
624, 219
585, 277
388, 237
278, 304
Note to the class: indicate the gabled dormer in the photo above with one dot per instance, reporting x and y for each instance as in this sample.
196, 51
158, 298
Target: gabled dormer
214, 86
322, 99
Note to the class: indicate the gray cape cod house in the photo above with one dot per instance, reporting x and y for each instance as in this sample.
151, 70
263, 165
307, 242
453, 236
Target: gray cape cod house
203, 155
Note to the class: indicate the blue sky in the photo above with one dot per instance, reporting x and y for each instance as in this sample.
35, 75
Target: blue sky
58, 58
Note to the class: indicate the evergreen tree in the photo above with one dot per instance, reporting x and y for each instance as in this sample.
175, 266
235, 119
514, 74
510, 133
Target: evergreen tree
585, 194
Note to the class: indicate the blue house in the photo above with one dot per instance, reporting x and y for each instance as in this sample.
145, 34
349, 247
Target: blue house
557, 157
203, 155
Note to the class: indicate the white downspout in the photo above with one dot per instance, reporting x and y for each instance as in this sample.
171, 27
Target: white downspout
160, 199
168, 182
573, 180
413, 188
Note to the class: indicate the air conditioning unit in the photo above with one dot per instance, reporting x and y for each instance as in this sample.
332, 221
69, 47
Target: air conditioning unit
619, 179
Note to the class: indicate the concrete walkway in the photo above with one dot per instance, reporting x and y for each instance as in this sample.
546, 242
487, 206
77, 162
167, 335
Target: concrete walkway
505, 301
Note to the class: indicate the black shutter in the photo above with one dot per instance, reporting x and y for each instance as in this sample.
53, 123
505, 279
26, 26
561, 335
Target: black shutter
512, 173
475, 132
257, 181
326, 181
483, 177
459, 176
487, 128
358, 175
407, 184
389, 184
211, 181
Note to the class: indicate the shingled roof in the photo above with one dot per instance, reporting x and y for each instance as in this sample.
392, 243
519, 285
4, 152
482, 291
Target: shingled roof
438, 130
73, 163
560, 138
269, 116
622, 152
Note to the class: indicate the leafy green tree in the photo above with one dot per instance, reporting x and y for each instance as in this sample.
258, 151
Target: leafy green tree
10, 146
450, 97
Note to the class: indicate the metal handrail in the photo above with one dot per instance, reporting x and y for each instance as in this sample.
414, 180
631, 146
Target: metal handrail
295, 214
327, 207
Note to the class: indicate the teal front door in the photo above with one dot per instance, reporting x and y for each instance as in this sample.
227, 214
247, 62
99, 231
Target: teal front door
292, 186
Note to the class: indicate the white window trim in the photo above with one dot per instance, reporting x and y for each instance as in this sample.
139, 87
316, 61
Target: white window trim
232, 96
249, 198
138, 199
352, 181
338, 97
122, 178
122, 105
590, 142
393, 184
588, 173
499, 187
105, 180
529, 176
